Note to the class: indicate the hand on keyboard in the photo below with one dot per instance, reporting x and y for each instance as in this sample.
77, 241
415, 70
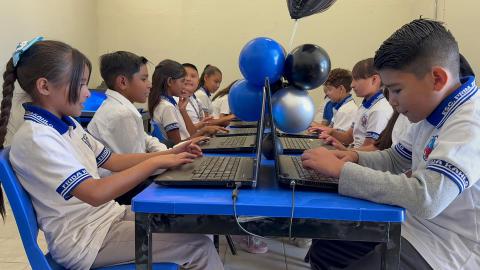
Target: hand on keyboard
322, 160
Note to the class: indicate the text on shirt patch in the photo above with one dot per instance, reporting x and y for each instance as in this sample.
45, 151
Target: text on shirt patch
429, 147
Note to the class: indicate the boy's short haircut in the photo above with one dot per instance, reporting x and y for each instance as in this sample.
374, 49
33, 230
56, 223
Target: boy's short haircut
189, 65
364, 69
119, 63
418, 46
338, 77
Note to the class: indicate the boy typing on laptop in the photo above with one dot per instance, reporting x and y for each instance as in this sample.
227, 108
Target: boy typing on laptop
419, 65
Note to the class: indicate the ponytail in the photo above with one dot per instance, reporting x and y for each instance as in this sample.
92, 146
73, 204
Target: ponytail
208, 71
9, 78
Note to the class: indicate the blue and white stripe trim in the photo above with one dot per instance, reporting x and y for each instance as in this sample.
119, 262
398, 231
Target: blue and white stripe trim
368, 103
69, 184
451, 171
403, 151
103, 156
372, 135
172, 126
450, 104
41, 116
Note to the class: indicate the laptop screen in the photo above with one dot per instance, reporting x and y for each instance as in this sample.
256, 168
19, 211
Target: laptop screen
260, 132
273, 129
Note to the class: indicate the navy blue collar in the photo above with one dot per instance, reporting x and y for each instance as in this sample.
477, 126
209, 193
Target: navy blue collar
343, 101
446, 108
206, 91
195, 97
368, 103
44, 117
170, 99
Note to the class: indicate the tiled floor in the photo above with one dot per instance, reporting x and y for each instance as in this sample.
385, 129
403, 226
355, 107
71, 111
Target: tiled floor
12, 255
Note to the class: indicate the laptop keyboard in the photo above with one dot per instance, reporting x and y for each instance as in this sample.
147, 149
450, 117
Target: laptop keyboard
243, 130
311, 175
217, 168
234, 141
295, 143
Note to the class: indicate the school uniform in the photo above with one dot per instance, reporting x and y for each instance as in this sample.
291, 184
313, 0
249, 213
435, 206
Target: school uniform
220, 106
371, 119
401, 127
167, 115
195, 109
118, 125
344, 114
443, 152
205, 98
51, 157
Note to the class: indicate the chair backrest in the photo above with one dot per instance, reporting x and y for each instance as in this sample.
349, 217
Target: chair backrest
23, 211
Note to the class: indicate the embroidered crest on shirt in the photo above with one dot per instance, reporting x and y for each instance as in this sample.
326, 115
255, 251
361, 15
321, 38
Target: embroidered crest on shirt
364, 120
429, 148
86, 141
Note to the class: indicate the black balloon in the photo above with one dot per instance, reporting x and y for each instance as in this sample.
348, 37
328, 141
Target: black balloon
303, 8
268, 145
307, 66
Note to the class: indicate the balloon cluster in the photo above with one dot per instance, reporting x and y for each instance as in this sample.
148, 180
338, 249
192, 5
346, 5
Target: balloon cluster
305, 68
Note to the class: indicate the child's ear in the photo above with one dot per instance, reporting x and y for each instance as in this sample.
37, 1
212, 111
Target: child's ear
440, 77
376, 80
43, 86
121, 82
169, 81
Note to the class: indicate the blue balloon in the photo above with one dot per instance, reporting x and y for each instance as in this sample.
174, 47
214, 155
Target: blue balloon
245, 100
260, 58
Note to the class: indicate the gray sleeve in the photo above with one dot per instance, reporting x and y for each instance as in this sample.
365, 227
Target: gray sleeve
386, 160
426, 194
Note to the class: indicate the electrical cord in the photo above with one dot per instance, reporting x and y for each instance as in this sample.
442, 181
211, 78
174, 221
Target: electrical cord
292, 184
234, 199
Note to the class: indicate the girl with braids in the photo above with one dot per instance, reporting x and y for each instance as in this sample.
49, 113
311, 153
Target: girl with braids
57, 163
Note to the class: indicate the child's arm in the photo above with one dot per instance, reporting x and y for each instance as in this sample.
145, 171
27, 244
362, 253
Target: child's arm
182, 107
99, 191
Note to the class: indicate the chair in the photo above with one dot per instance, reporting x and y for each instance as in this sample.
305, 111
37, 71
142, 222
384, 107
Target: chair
27, 222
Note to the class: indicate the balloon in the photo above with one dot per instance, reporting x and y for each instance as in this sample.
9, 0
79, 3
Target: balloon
245, 100
307, 66
293, 110
303, 8
260, 58
268, 145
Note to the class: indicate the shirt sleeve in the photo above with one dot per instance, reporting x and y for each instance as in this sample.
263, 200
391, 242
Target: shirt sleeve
377, 121
102, 153
167, 118
153, 144
224, 106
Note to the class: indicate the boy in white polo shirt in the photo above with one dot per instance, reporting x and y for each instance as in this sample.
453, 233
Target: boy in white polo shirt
419, 65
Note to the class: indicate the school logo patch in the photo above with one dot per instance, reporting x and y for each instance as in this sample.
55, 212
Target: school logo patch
429, 147
86, 141
364, 121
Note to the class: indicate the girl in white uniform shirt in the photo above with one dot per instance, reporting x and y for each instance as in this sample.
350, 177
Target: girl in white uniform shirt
210, 81
221, 108
195, 106
57, 163
169, 81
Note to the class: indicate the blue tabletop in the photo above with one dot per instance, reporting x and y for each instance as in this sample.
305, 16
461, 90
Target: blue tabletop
267, 199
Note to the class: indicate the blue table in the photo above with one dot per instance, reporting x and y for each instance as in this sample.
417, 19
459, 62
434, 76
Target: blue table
324, 215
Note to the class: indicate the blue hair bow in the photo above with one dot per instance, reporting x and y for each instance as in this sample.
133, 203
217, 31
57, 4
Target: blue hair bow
23, 47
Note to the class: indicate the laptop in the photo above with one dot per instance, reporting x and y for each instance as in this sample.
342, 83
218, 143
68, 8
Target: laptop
290, 168
238, 131
219, 171
243, 124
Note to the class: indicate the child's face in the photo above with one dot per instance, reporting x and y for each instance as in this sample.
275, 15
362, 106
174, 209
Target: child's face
212, 82
191, 80
336, 94
413, 97
176, 87
139, 86
366, 87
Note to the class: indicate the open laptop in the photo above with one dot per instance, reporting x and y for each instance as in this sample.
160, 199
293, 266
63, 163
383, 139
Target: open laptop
238, 132
289, 168
243, 124
220, 171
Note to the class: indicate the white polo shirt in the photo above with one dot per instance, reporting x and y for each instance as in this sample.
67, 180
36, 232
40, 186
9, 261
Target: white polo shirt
205, 98
448, 142
344, 114
168, 117
401, 127
195, 109
220, 106
371, 119
51, 157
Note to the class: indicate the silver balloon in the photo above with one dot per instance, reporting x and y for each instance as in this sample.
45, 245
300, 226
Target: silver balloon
293, 109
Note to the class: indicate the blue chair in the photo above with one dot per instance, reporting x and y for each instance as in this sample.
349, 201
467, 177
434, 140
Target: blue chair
27, 222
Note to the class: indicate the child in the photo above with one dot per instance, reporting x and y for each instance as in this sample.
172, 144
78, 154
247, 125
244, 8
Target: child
168, 81
221, 108
56, 162
370, 118
195, 106
419, 65
210, 81
117, 124
324, 113
338, 87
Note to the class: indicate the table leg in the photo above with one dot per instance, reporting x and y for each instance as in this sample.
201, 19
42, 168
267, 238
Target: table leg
143, 242
391, 249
